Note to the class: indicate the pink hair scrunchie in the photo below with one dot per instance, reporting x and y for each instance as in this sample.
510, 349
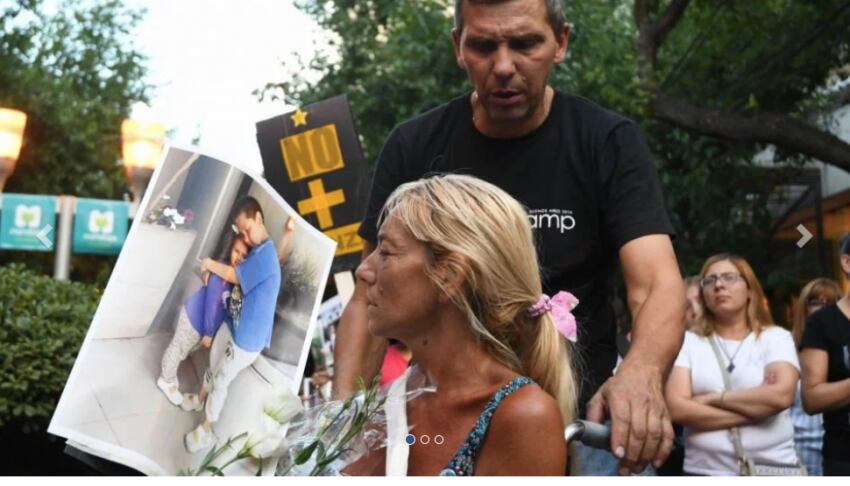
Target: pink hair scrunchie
560, 306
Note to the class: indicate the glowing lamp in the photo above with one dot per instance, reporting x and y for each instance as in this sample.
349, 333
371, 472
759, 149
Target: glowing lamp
141, 144
12, 123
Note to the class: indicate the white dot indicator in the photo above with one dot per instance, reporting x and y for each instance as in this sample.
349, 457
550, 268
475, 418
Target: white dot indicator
439, 439
424, 439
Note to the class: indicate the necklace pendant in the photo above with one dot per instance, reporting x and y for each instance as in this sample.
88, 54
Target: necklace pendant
731, 367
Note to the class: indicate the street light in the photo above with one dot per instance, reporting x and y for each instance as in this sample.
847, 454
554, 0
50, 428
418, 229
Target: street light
12, 123
141, 144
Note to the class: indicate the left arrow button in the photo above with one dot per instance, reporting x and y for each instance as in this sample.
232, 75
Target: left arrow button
42, 235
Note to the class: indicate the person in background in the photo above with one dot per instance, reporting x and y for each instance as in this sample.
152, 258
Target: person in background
808, 429
736, 332
396, 361
826, 375
693, 302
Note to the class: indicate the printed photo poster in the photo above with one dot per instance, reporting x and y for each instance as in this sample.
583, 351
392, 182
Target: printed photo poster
168, 324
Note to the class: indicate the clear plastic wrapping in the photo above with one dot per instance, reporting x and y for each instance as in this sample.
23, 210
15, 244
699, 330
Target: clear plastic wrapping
339, 437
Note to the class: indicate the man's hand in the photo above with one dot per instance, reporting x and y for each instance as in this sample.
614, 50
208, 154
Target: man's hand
206, 342
641, 431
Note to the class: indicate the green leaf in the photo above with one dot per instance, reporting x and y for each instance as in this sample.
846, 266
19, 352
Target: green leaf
305, 453
214, 470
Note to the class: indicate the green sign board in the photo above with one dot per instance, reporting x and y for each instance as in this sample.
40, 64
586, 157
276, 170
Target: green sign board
27, 222
100, 226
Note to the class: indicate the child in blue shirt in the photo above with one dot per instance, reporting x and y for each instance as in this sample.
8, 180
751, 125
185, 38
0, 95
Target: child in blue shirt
238, 344
200, 317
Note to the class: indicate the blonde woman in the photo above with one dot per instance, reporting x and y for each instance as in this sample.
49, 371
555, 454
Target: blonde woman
455, 278
808, 429
735, 337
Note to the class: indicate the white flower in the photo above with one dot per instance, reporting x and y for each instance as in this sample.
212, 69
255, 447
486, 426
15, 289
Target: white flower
266, 440
281, 405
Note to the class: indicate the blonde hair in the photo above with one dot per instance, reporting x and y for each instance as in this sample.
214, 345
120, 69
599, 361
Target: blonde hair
478, 231
819, 288
758, 314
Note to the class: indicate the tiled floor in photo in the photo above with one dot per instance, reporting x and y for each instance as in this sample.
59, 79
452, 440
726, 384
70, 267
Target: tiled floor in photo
116, 400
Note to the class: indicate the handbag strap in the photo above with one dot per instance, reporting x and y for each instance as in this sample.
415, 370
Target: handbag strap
743, 461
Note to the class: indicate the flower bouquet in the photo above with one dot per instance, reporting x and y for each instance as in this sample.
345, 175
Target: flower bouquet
321, 441
167, 215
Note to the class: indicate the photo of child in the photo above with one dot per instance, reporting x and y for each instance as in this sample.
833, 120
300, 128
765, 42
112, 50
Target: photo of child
200, 318
249, 328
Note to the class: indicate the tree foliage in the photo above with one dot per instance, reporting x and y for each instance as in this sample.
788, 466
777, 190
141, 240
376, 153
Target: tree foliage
744, 71
71, 66
393, 59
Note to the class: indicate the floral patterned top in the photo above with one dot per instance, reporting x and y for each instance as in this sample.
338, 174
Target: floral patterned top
463, 462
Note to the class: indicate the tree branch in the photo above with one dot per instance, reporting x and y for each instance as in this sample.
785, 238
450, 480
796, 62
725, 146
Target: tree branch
695, 44
784, 131
669, 19
651, 34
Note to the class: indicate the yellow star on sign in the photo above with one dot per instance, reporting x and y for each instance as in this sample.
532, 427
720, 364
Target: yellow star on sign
299, 118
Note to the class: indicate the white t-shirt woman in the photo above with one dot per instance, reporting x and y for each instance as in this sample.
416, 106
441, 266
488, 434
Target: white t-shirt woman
770, 441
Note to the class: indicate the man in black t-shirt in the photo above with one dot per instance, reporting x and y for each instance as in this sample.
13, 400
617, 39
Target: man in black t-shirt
587, 178
825, 358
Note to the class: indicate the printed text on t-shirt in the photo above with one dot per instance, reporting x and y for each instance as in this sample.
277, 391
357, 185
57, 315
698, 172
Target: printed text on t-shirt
560, 219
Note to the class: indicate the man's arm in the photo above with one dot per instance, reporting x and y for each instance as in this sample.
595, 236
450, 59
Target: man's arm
226, 272
641, 431
818, 394
357, 352
285, 239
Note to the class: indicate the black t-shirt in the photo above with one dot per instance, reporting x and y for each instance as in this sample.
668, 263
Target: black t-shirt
829, 329
586, 177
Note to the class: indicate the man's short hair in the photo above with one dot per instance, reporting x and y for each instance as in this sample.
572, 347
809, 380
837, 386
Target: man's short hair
248, 206
554, 13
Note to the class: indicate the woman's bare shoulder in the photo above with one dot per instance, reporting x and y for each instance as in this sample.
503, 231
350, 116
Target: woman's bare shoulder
526, 436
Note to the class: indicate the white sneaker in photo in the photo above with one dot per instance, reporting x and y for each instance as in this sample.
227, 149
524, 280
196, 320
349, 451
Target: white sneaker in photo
170, 390
191, 402
199, 439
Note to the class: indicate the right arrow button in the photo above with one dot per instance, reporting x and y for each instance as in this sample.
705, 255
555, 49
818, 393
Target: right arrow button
806, 236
